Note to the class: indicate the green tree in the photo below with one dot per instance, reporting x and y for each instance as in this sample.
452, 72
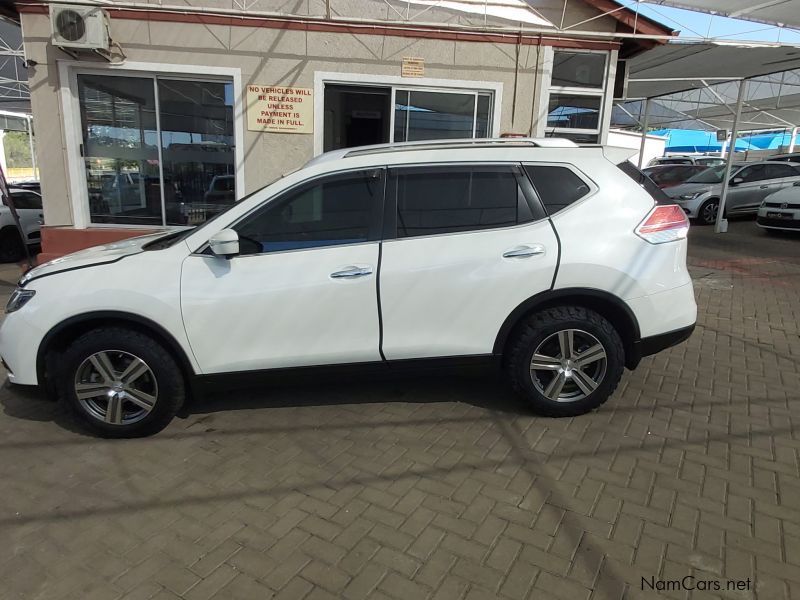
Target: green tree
18, 150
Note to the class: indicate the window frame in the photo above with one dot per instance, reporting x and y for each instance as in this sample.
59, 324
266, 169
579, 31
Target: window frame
376, 218
601, 93
423, 84
529, 195
68, 71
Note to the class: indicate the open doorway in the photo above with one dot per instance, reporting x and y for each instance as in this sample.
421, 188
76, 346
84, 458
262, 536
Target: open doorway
356, 116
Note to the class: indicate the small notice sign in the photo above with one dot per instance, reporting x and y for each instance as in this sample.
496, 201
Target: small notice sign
413, 67
280, 109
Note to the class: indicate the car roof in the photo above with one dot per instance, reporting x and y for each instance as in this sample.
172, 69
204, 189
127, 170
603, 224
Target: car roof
442, 145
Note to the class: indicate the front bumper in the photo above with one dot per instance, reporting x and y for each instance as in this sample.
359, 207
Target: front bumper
19, 343
788, 221
691, 207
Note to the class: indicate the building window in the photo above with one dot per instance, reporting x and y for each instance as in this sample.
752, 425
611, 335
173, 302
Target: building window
157, 150
357, 115
425, 115
577, 89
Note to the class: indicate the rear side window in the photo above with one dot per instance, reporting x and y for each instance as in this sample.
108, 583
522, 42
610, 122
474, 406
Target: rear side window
435, 200
778, 171
656, 193
558, 187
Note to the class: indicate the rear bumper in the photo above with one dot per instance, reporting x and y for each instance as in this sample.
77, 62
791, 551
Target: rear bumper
656, 343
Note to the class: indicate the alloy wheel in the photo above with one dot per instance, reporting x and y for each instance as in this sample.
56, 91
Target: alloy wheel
710, 213
568, 365
116, 387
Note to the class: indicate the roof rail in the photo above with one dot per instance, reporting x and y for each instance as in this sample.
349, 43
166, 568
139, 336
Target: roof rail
463, 143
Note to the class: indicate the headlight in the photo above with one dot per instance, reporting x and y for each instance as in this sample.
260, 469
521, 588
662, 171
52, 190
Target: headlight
19, 298
691, 196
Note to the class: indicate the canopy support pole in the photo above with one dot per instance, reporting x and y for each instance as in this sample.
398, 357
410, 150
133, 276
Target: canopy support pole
791, 140
645, 120
722, 223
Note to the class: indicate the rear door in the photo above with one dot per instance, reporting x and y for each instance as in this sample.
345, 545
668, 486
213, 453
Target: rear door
464, 246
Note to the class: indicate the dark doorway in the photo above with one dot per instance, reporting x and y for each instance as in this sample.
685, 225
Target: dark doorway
356, 116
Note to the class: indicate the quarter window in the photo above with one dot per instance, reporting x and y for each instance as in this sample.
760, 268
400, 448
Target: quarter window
454, 199
558, 187
27, 200
334, 211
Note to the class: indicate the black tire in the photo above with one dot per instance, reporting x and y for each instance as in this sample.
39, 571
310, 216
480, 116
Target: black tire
707, 215
12, 248
538, 330
164, 377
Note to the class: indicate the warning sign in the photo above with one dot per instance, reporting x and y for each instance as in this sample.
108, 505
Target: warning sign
412, 67
280, 109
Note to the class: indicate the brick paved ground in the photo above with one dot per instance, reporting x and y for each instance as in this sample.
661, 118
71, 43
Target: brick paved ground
440, 488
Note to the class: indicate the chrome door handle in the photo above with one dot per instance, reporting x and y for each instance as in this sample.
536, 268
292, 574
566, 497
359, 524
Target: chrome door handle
351, 273
524, 251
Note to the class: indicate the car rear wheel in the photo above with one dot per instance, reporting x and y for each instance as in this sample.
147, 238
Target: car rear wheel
707, 215
566, 361
120, 383
11, 245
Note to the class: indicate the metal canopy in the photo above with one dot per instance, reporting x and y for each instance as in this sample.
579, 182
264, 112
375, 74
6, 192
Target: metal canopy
677, 67
773, 12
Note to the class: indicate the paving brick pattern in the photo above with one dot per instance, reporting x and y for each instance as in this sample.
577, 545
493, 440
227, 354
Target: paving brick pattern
440, 488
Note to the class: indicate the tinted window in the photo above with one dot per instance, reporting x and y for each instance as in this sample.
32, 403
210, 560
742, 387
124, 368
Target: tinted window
26, 200
325, 213
452, 199
754, 173
558, 187
643, 180
675, 161
578, 69
778, 171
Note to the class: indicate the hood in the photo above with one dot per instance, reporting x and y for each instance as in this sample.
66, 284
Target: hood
788, 195
96, 255
689, 188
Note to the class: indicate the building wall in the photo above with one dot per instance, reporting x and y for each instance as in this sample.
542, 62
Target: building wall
270, 56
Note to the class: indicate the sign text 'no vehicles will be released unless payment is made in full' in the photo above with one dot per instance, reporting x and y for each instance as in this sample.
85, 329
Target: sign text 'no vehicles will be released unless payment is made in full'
280, 109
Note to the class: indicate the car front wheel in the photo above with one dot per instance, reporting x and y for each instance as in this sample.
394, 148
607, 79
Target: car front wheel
566, 361
707, 215
120, 383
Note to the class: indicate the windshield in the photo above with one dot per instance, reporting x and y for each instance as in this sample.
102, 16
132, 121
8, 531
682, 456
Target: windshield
710, 175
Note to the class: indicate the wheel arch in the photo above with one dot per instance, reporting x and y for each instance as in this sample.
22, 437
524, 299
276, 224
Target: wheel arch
615, 310
69, 329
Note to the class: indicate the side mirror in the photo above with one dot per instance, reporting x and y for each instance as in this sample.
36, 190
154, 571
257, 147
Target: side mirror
225, 243
737, 180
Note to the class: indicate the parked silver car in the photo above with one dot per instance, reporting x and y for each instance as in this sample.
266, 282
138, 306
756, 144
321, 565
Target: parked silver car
750, 183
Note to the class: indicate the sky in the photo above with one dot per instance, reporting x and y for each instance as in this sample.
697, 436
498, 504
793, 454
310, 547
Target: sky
700, 25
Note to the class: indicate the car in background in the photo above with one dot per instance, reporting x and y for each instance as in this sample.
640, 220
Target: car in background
222, 190
31, 185
781, 211
750, 184
29, 210
788, 157
665, 176
686, 159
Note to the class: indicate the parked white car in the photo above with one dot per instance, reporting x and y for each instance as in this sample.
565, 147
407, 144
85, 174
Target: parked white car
781, 211
539, 255
29, 210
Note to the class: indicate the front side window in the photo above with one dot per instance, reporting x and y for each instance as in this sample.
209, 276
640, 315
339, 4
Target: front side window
751, 174
333, 211
454, 199
26, 200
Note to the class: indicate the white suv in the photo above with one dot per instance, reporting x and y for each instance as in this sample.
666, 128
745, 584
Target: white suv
561, 263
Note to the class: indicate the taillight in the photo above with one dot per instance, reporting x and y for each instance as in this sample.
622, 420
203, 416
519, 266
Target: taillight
665, 223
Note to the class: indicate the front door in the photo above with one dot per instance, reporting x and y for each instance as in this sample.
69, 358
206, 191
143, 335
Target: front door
470, 246
302, 291
747, 194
